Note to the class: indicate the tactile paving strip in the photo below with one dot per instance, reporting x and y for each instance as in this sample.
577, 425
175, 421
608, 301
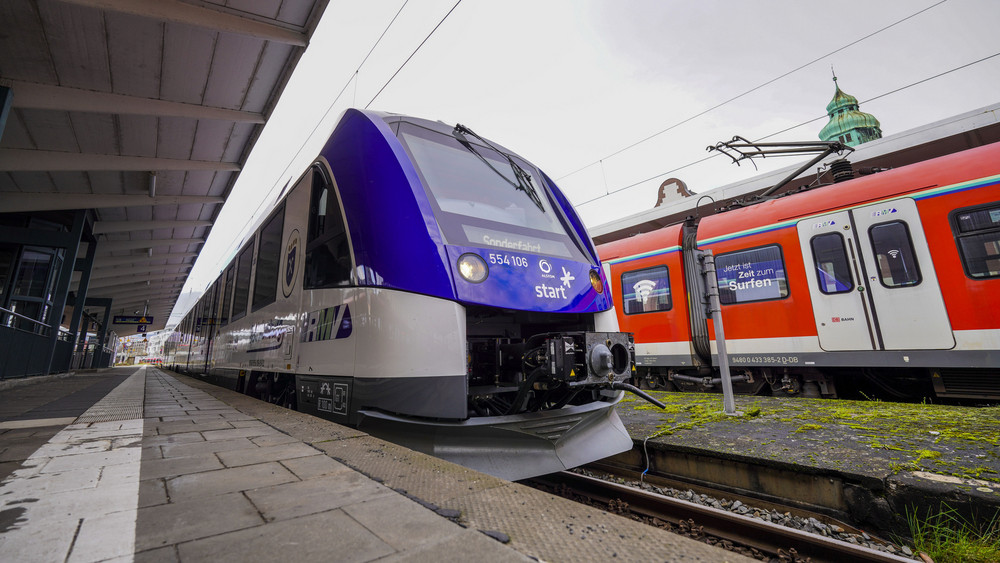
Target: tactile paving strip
124, 402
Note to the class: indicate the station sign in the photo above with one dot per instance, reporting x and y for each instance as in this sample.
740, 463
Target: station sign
132, 320
140, 328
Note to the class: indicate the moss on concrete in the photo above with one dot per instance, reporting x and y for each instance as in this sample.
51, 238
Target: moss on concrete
867, 437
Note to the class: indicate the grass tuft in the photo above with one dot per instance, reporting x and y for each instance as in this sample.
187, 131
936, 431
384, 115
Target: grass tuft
948, 537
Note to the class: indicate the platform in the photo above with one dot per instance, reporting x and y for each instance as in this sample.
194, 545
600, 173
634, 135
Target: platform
142, 464
867, 462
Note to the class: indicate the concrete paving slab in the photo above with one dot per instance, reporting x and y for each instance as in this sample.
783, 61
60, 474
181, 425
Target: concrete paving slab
329, 536
401, 522
205, 447
180, 522
255, 454
169, 439
185, 426
160, 468
44, 543
274, 440
210, 483
152, 492
103, 458
420, 475
320, 494
101, 539
74, 498
459, 549
229, 434
162, 555
314, 466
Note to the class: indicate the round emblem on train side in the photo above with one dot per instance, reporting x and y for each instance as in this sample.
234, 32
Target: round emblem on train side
544, 266
292, 260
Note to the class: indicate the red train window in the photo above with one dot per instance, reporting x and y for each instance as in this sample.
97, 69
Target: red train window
751, 275
897, 264
977, 232
833, 271
646, 291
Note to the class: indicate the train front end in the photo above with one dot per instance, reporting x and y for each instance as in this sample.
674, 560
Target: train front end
541, 346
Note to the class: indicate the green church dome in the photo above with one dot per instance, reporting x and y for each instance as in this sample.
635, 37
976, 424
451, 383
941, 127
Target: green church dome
848, 123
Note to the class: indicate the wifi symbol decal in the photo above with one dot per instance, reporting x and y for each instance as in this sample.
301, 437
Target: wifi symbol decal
642, 289
894, 253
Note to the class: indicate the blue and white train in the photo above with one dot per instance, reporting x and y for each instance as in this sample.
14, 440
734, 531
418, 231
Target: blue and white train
429, 287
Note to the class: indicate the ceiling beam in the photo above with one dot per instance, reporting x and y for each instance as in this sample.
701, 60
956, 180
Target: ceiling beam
129, 306
126, 303
124, 287
31, 95
107, 261
22, 202
25, 160
103, 273
132, 280
142, 292
121, 226
181, 12
105, 246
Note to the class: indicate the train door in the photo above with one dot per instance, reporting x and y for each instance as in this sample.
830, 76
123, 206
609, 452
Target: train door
892, 280
836, 286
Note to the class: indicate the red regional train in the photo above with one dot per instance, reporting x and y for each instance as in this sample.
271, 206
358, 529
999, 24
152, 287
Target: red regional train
888, 282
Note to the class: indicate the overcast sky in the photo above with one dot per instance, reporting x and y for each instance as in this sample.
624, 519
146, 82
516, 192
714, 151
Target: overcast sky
569, 84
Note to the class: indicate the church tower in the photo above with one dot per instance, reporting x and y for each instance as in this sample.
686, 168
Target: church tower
848, 124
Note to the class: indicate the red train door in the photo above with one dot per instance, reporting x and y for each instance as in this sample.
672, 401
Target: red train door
871, 280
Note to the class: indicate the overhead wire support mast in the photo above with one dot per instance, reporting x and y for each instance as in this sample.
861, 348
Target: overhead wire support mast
740, 149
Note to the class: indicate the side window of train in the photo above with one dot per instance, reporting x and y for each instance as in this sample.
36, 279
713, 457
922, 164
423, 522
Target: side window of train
227, 294
833, 271
328, 254
756, 274
646, 291
265, 283
977, 233
893, 248
241, 294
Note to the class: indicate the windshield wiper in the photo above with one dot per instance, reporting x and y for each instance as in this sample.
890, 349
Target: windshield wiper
523, 184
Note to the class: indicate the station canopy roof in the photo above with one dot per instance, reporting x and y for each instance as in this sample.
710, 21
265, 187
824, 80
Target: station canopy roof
143, 111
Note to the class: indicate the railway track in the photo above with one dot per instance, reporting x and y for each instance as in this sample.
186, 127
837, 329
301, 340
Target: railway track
787, 544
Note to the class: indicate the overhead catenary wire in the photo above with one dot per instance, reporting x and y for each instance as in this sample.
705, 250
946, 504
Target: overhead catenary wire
353, 78
787, 129
752, 90
377, 94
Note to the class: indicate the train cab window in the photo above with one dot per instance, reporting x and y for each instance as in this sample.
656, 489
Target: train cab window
227, 294
893, 248
328, 254
241, 294
751, 275
646, 291
833, 271
265, 282
977, 232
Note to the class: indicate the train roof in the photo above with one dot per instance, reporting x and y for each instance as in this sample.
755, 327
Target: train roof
968, 130
955, 170
917, 180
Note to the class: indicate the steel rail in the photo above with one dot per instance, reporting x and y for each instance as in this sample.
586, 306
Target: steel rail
751, 532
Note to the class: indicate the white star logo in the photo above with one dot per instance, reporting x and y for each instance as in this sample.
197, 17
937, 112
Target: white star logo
567, 277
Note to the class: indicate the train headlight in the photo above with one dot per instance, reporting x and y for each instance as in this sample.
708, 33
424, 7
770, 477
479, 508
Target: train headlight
472, 267
595, 280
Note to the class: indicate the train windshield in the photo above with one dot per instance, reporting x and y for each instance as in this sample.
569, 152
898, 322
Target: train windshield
480, 198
